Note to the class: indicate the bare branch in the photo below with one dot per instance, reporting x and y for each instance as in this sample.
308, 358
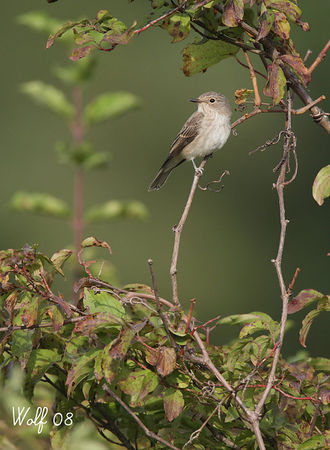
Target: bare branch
178, 230
257, 100
320, 57
280, 184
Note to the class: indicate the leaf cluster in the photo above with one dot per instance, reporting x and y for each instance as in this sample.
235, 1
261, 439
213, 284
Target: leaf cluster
114, 341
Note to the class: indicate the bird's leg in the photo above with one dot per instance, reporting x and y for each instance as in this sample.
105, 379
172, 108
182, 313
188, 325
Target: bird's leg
198, 170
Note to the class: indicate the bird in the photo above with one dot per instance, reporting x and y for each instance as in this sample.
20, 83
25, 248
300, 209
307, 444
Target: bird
206, 130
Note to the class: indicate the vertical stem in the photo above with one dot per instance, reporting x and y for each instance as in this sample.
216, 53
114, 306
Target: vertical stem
280, 184
77, 131
178, 230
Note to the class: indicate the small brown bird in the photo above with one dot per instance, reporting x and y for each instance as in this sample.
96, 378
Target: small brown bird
206, 130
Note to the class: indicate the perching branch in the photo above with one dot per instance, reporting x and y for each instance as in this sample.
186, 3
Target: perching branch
178, 230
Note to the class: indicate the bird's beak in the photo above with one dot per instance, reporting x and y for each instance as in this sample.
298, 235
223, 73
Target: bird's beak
195, 100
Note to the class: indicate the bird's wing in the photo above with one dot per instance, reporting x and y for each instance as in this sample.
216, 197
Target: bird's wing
187, 134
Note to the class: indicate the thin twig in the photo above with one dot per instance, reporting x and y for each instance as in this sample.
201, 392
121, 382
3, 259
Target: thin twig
308, 106
247, 67
192, 305
148, 432
41, 325
257, 100
178, 230
158, 305
319, 58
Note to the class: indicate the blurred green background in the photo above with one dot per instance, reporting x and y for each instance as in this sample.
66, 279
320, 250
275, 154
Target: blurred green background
229, 238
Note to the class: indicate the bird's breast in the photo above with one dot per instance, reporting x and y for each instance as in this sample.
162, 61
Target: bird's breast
214, 132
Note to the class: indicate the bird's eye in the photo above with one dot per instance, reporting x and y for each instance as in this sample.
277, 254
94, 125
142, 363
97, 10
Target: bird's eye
212, 100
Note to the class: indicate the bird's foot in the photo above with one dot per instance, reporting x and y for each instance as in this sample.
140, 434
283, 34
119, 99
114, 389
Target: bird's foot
199, 171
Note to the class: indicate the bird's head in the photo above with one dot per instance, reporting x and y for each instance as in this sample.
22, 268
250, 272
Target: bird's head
213, 101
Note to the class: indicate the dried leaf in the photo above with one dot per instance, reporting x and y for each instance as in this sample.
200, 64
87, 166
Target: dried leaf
303, 299
275, 83
233, 12
296, 63
166, 361
241, 95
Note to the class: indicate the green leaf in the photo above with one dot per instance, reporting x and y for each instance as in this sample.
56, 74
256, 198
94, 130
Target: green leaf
198, 57
233, 12
39, 362
109, 105
39, 21
91, 241
177, 26
39, 203
275, 84
59, 258
281, 26
238, 319
78, 73
119, 347
82, 155
321, 185
173, 403
80, 370
323, 305
292, 11
138, 385
115, 209
57, 317
49, 96
322, 364
312, 443
103, 302
62, 30
303, 299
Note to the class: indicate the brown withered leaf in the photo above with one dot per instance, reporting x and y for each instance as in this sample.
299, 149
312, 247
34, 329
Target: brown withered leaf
281, 26
121, 344
166, 361
57, 317
241, 95
303, 299
266, 21
81, 52
296, 63
233, 12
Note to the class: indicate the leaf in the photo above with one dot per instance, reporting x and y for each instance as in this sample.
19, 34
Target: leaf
49, 96
303, 299
110, 105
315, 442
39, 203
266, 21
119, 34
39, 362
91, 241
323, 305
321, 185
77, 73
81, 52
115, 209
62, 30
296, 63
198, 57
233, 12
103, 302
275, 84
80, 370
241, 95
177, 26
59, 258
173, 403
89, 325
281, 26
39, 21
322, 364
238, 319
166, 361
292, 11
57, 317
138, 385
121, 344
29, 310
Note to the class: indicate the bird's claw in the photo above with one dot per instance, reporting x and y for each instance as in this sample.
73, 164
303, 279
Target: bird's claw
199, 171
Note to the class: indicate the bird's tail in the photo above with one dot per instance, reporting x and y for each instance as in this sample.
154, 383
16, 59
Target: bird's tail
164, 173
